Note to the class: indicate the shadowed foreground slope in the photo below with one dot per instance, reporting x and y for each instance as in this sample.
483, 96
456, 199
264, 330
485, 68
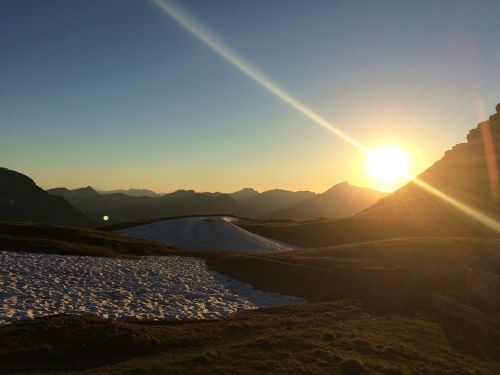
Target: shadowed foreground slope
334, 337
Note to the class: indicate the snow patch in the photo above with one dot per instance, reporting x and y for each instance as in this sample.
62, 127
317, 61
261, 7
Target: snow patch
206, 233
157, 288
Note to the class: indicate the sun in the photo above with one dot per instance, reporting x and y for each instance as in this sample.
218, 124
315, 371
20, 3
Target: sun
388, 164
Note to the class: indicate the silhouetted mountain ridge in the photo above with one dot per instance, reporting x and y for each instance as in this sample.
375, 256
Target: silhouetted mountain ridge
244, 203
340, 200
132, 192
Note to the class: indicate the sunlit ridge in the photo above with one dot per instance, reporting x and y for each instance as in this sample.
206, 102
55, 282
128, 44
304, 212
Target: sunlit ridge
211, 41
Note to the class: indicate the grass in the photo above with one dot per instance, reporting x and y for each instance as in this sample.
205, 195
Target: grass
361, 228
331, 337
395, 275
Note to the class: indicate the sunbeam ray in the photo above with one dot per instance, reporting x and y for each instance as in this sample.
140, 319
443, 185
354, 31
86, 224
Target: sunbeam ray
195, 28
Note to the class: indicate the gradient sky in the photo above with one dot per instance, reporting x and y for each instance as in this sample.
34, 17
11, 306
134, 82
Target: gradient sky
114, 94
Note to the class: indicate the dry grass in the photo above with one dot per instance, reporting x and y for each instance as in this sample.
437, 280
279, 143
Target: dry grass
333, 337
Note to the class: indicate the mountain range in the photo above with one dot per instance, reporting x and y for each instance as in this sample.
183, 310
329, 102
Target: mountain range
247, 203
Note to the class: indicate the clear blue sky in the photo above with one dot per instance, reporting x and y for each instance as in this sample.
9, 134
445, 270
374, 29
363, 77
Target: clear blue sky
114, 94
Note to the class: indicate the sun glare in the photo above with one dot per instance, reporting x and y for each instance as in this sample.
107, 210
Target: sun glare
388, 165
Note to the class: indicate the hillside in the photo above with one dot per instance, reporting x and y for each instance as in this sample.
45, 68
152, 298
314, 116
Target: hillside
468, 172
339, 201
22, 200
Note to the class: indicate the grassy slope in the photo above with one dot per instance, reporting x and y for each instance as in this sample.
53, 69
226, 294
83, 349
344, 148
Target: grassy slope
332, 337
57, 239
396, 274
358, 228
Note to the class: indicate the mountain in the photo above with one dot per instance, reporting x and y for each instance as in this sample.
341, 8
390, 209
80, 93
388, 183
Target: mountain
339, 201
272, 200
468, 173
244, 194
120, 207
132, 192
22, 200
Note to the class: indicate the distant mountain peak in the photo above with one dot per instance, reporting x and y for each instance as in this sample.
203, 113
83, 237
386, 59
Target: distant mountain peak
339, 185
244, 194
342, 199
247, 190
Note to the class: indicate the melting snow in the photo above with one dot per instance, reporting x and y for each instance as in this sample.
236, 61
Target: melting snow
206, 233
34, 285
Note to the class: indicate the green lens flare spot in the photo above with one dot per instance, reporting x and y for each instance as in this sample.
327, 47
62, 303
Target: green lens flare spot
105, 217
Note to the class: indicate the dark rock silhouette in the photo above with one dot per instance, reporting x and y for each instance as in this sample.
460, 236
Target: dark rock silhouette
22, 200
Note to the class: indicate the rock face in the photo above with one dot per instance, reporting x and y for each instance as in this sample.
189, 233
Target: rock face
339, 201
22, 200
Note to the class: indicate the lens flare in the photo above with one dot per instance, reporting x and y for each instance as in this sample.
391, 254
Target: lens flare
388, 163
196, 29
211, 41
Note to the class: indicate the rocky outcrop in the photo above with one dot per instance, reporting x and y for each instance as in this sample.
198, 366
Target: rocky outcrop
22, 200
469, 173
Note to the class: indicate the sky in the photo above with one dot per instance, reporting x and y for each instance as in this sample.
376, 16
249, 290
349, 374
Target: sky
116, 94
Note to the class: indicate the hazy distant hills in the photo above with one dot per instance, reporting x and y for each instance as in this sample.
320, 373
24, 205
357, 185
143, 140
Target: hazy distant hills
339, 201
22, 200
276, 199
132, 192
244, 203
469, 173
